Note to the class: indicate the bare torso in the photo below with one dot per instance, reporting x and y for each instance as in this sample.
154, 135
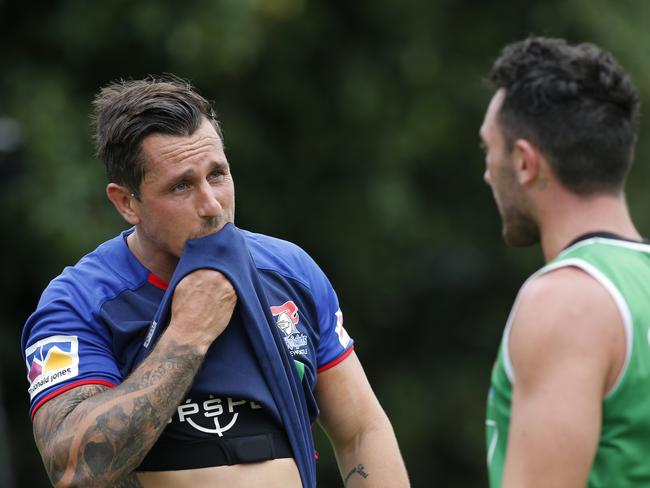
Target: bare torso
276, 473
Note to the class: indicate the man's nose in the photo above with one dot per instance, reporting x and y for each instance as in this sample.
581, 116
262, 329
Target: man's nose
207, 203
486, 177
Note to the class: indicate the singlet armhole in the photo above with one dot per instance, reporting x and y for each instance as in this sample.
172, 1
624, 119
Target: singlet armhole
616, 295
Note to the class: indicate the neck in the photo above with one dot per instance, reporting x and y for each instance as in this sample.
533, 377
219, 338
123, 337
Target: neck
569, 216
158, 262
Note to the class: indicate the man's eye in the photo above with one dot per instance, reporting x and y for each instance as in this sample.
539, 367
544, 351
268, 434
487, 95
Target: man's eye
179, 187
215, 175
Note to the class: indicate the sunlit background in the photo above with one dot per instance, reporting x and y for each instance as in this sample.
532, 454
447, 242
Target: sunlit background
351, 129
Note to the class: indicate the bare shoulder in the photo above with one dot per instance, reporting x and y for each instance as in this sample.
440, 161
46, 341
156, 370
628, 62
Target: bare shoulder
566, 317
564, 300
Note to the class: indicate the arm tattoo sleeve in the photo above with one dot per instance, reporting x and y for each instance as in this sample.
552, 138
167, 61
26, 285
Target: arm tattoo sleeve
130, 482
92, 435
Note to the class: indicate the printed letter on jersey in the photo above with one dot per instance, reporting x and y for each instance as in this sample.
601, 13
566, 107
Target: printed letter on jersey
342, 334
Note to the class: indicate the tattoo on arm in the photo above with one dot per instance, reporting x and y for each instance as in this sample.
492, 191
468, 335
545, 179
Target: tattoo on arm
93, 435
359, 469
130, 482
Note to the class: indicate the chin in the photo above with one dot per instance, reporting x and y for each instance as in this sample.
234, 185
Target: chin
521, 237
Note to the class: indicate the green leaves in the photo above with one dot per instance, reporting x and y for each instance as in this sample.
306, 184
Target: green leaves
351, 129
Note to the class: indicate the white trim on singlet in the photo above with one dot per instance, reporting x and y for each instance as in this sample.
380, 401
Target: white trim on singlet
493, 441
598, 275
507, 363
635, 246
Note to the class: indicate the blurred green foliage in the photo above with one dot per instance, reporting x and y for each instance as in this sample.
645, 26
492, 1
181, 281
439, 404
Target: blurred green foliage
351, 128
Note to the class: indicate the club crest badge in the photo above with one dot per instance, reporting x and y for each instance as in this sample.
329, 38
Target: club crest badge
287, 317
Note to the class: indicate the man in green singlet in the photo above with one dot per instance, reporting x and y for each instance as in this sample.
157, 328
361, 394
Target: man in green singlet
569, 404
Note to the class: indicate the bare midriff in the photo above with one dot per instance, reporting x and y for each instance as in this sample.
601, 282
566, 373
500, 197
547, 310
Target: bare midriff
276, 473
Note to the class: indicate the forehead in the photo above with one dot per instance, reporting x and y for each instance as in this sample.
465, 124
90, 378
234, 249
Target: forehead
165, 150
490, 121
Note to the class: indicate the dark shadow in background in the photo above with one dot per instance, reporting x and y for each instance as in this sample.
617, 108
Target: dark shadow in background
12, 144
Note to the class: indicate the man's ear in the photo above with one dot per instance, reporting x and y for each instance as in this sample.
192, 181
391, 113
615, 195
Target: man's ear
527, 159
124, 201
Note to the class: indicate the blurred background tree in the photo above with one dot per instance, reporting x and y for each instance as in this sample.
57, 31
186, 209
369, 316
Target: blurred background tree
351, 128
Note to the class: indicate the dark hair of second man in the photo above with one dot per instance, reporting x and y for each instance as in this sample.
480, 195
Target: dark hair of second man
576, 104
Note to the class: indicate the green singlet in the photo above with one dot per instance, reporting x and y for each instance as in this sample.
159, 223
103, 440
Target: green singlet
623, 454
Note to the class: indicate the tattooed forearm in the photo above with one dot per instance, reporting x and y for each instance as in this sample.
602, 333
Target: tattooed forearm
95, 436
359, 469
130, 482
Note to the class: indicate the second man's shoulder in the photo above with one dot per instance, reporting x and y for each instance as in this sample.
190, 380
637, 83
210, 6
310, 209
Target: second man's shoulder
567, 293
564, 313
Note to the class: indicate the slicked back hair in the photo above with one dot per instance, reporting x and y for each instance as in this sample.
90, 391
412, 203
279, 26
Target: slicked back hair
125, 112
576, 104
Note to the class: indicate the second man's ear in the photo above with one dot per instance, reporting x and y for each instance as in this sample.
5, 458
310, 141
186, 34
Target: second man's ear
527, 159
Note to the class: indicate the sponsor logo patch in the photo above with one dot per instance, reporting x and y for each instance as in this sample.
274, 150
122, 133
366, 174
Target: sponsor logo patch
213, 415
287, 317
51, 361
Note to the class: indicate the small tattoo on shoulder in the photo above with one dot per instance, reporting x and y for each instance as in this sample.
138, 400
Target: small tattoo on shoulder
359, 469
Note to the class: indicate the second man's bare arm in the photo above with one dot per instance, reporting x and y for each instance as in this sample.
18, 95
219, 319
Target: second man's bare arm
94, 436
567, 345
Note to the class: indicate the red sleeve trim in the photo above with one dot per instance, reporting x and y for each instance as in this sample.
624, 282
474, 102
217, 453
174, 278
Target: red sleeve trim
56, 393
157, 282
331, 364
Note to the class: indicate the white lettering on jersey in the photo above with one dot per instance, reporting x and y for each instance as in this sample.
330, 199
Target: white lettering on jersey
344, 338
195, 413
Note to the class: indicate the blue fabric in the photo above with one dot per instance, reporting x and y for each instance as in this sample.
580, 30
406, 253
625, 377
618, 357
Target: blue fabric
98, 312
226, 251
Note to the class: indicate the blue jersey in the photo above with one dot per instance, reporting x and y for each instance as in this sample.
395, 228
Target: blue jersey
91, 323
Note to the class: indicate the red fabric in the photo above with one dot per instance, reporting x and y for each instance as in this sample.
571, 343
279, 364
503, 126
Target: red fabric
157, 282
56, 393
331, 364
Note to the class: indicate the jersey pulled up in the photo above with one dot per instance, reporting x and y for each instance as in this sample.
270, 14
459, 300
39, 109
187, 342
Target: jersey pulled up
90, 325
623, 453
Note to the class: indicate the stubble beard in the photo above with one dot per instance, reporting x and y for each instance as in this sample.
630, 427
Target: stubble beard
518, 226
519, 229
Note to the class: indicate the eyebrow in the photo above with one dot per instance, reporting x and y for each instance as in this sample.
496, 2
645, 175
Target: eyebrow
220, 165
190, 172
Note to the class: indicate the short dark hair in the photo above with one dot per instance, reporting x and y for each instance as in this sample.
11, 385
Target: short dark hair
125, 112
576, 104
